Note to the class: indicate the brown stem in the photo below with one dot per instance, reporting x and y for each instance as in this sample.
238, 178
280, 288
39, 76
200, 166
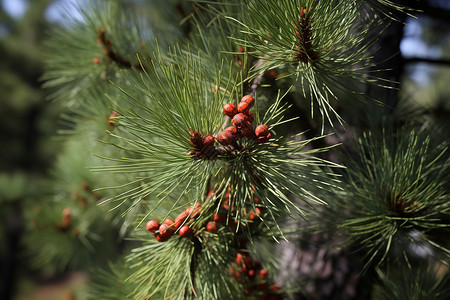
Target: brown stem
112, 56
258, 79
193, 265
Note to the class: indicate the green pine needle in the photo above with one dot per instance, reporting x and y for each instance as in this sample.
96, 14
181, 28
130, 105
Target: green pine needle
427, 280
324, 45
397, 192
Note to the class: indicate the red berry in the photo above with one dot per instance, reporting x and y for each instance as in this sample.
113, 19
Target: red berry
66, 221
243, 107
230, 109
272, 74
185, 231
254, 213
193, 212
261, 130
166, 230
210, 194
96, 60
238, 276
168, 222
251, 273
231, 270
180, 219
262, 133
248, 99
275, 287
161, 238
272, 294
263, 273
211, 227
227, 136
239, 120
152, 226
226, 204
208, 141
219, 218
240, 259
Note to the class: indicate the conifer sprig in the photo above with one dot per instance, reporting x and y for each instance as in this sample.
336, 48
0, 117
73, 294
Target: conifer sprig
73, 229
397, 197
160, 135
323, 44
92, 49
109, 282
428, 280
183, 268
156, 127
391, 9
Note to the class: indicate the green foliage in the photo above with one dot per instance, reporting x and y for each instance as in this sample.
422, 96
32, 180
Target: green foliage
304, 39
183, 268
427, 281
68, 230
110, 283
391, 9
93, 49
396, 197
157, 137
150, 109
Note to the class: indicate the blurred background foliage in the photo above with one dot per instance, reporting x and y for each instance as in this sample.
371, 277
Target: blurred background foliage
27, 118
29, 122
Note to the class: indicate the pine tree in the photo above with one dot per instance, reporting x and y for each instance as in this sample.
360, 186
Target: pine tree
210, 143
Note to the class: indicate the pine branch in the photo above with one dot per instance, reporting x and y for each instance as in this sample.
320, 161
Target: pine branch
113, 56
166, 147
401, 282
392, 9
396, 198
193, 132
301, 37
85, 54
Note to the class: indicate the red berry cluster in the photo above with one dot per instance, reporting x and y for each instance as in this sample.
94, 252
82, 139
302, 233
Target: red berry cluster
167, 229
221, 217
249, 272
242, 119
164, 231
